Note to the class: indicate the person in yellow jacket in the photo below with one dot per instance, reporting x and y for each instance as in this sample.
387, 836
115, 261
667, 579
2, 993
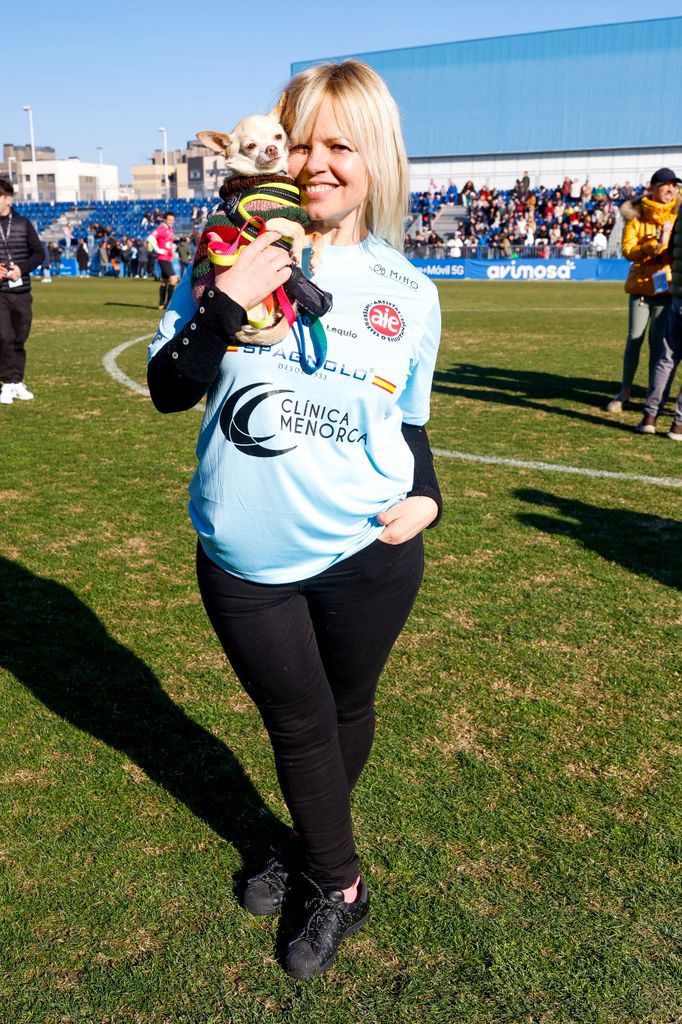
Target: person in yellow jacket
649, 222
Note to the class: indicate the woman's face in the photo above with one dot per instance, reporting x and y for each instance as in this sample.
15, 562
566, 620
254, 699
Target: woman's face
663, 193
332, 177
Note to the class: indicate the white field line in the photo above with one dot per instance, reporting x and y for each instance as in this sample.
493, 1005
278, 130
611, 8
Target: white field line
551, 467
109, 362
110, 365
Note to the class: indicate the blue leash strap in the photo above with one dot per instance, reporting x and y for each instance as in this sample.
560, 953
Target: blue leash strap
318, 339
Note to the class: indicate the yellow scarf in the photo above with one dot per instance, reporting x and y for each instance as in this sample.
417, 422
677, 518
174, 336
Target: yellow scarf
657, 213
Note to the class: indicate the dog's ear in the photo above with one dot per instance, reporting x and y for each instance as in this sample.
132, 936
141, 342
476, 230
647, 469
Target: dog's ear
219, 142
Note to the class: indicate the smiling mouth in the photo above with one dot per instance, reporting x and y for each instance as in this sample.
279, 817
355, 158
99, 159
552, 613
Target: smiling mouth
317, 189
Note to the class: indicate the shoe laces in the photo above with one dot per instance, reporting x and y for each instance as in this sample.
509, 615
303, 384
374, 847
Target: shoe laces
272, 874
321, 911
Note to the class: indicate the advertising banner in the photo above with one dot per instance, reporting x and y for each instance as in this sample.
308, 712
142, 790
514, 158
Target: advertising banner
524, 270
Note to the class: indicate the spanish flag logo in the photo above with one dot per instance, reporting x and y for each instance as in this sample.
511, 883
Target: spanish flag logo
233, 348
381, 382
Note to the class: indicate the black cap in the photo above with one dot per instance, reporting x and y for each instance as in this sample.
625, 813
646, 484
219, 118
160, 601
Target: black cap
664, 176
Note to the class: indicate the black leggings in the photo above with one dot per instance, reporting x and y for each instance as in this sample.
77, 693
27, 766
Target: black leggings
309, 655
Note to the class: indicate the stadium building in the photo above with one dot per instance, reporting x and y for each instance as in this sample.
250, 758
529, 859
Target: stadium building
601, 103
50, 180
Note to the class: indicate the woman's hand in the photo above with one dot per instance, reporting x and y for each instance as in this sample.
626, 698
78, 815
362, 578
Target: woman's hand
406, 519
259, 271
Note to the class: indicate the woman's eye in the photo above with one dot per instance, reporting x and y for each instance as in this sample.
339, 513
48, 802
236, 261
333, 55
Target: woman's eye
300, 148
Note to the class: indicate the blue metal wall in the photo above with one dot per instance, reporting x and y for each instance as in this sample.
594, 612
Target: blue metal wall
603, 87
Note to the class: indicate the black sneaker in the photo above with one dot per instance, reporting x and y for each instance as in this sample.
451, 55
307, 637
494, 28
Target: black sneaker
328, 920
265, 891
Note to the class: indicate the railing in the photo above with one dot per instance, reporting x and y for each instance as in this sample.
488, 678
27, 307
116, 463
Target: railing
495, 252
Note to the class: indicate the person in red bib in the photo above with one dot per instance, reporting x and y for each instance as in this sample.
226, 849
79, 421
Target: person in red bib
162, 240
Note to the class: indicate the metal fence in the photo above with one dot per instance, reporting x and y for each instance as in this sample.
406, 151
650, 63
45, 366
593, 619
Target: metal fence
495, 252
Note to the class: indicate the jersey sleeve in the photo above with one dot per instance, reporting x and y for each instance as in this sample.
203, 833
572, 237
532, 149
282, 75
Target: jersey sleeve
180, 311
185, 356
414, 402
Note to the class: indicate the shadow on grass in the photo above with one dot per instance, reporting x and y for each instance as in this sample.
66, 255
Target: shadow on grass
528, 389
643, 544
134, 305
60, 651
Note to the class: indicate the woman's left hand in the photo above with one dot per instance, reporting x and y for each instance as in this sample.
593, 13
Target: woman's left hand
406, 519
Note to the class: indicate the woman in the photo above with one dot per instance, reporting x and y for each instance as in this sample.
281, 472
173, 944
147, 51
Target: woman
103, 254
82, 258
315, 480
649, 222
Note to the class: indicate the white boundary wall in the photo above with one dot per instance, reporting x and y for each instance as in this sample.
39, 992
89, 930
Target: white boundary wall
599, 167
67, 174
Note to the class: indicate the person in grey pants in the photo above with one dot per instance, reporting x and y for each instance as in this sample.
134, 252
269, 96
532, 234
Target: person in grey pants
671, 349
664, 372
648, 225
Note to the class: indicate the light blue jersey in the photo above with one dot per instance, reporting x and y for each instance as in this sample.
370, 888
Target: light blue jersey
294, 468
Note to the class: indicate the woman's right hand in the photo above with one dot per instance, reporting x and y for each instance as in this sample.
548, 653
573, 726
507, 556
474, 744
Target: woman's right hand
259, 271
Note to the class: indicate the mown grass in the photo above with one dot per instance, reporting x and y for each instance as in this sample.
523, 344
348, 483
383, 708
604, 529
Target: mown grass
519, 821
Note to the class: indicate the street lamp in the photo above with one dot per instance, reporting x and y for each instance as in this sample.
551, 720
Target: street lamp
165, 160
29, 111
100, 190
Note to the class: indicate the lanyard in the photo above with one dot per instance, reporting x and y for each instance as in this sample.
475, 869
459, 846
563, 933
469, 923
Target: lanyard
5, 237
318, 338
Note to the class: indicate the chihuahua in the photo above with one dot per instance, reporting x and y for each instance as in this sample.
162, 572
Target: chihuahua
256, 145
257, 149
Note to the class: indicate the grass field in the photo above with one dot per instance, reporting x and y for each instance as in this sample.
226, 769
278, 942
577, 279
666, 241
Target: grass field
519, 822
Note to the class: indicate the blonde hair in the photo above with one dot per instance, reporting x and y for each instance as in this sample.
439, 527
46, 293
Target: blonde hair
369, 116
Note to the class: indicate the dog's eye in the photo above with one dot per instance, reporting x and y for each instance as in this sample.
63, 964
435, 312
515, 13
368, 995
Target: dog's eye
251, 146
278, 138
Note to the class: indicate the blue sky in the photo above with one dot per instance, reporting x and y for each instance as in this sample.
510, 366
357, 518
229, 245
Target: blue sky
110, 75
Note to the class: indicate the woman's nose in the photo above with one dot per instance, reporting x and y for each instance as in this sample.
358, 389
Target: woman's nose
316, 160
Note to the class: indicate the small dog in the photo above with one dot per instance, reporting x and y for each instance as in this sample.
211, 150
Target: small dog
256, 145
258, 186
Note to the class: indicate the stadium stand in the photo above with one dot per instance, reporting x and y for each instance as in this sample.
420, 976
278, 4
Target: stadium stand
502, 223
121, 218
444, 221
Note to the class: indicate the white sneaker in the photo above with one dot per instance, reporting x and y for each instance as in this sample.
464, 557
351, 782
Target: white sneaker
21, 391
6, 395
645, 428
618, 404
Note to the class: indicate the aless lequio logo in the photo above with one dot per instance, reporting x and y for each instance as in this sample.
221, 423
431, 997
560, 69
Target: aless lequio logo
384, 320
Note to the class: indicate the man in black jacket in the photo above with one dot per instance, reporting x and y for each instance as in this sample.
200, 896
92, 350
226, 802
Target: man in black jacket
21, 251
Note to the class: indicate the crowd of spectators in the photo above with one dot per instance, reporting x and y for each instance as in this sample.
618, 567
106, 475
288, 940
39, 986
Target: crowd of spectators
99, 252
571, 219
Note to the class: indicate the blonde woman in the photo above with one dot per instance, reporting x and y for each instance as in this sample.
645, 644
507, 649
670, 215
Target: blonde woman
315, 482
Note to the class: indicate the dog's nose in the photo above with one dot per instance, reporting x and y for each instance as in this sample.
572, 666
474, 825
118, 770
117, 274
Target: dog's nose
271, 152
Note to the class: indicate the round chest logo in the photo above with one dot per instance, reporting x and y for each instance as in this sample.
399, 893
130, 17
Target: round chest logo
384, 320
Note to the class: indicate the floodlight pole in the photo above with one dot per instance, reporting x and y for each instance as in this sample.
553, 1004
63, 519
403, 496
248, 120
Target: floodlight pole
165, 161
29, 110
100, 190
